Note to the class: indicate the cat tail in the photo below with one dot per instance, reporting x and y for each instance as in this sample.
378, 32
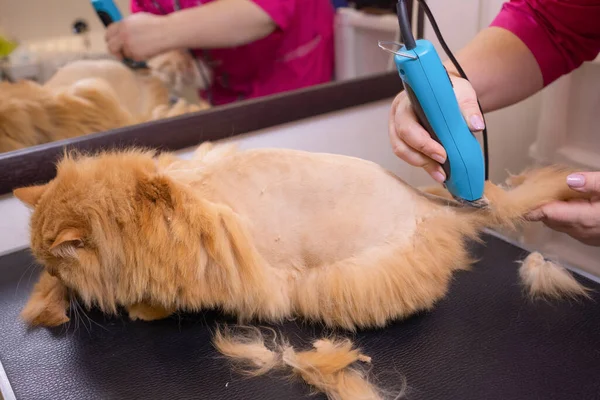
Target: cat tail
509, 207
534, 188
332, 366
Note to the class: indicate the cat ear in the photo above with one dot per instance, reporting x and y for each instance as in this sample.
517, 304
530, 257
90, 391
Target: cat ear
30, 195
157, 189
69, 237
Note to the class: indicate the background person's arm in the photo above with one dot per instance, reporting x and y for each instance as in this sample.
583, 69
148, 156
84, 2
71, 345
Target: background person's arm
501, 69
218, 24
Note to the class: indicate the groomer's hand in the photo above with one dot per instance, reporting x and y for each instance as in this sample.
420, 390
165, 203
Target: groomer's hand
137, 37
579, 219
412, 143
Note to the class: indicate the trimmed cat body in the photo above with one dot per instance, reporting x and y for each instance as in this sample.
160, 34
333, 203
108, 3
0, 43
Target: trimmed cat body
267, 234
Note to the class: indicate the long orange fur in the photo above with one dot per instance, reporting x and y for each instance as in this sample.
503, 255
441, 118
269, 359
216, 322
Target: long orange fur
83, 97
262, 234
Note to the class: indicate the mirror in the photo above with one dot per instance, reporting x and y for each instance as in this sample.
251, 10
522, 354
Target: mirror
60, 81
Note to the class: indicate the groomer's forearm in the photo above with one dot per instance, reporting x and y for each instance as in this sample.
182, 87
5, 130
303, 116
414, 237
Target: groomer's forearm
500, 67
218, 24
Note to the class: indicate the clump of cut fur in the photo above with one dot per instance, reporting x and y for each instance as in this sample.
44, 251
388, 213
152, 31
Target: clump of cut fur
546, 279
249, 351
329, 367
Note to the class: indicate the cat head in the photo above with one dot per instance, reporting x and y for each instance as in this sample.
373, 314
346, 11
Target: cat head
102, 224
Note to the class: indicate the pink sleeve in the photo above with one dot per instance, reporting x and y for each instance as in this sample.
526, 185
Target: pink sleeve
136, 6
143, 6
281, 11
560, 34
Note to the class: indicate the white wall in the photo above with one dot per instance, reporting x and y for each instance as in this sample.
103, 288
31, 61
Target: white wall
37, 19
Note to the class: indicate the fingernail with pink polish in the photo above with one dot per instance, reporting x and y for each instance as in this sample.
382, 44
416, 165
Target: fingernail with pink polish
477, 122
438, 176
576, 180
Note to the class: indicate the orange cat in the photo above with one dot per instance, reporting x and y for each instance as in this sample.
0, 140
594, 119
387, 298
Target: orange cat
261, 234
84, 97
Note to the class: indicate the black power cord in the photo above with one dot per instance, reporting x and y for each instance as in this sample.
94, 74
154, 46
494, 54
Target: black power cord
409, 41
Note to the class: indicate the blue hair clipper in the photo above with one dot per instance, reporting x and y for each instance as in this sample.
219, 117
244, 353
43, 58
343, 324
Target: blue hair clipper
108, 13
431, 94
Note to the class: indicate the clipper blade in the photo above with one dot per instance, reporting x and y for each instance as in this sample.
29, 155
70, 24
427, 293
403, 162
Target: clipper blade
481, 203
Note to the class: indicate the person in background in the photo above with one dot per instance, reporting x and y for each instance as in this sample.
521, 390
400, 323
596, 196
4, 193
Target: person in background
253, 47
529, 45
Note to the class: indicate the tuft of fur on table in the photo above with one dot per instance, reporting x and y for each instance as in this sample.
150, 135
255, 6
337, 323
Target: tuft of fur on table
546, 279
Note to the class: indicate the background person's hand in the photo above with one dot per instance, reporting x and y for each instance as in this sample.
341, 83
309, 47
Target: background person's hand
412, 143
138, 37
579, 219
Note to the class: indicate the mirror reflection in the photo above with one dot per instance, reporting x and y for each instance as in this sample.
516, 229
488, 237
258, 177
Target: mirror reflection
77, 67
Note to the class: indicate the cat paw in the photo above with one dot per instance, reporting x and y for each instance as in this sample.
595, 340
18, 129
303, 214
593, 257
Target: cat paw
48, 304
42, 313
146, 312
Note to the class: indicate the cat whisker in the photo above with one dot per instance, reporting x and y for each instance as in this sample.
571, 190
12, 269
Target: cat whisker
77, 315
81, 311
88, 318
72, 314
31, 271
23, 274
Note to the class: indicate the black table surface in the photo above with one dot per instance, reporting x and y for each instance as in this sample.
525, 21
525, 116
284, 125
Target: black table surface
485, 341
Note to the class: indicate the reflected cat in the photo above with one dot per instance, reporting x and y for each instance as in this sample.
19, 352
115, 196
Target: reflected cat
89, 96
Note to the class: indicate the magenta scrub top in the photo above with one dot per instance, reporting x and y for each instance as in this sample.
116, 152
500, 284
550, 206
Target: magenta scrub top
561, 34
299, 53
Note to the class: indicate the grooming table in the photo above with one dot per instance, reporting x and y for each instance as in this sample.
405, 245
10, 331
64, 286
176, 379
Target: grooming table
486, 340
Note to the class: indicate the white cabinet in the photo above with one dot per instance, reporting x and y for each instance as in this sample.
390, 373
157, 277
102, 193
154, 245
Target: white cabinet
569, 133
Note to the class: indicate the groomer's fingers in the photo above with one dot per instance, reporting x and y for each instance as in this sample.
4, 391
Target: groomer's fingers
413, 157
112, 31
559, 213
115, 47
409, 130
467, 102
114, 40
586, 182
